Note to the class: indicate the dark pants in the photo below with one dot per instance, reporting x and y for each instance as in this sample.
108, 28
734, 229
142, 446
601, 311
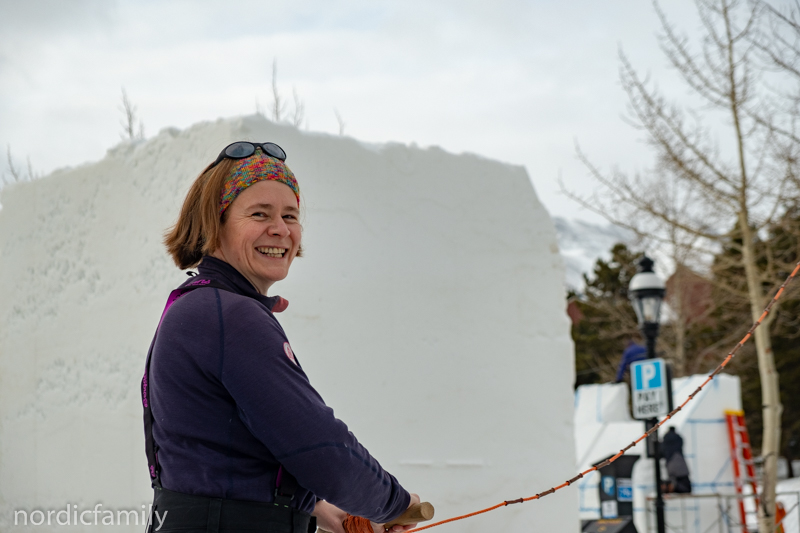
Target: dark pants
174, 512
682, 484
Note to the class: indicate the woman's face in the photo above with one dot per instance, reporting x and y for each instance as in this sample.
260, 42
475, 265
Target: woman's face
261, 233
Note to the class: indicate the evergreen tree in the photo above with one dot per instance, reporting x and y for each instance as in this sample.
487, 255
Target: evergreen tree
779, 249
607, 318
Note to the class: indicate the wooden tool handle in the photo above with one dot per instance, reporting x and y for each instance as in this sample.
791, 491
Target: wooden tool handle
419, 512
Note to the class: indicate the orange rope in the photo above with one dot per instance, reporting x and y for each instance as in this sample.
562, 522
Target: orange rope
357, 524
640, 439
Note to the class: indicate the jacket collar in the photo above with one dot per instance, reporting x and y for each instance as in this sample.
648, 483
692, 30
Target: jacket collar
222, 272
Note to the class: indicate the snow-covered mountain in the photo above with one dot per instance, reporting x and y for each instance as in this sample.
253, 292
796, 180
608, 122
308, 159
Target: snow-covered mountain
582, 243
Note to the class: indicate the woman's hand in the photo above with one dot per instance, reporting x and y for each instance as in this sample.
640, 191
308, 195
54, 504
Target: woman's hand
329, 517
378, 528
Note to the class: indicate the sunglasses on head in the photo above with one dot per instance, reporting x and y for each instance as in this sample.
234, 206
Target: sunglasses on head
243, 149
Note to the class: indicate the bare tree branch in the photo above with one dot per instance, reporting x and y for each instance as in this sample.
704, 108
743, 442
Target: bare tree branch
299, 109
15, 173
132, 125
278, 105
340, 120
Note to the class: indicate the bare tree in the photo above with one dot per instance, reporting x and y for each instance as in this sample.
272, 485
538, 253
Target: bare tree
31, 174
15, 172
299, 109
278, 105
778, 43
340, 121
278, 109
132, 125
698, 191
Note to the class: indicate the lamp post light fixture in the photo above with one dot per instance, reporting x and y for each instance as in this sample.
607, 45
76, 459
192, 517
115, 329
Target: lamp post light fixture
646, 292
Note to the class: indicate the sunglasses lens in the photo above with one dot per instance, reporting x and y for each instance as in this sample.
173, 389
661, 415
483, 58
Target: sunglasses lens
240, 150
274, 150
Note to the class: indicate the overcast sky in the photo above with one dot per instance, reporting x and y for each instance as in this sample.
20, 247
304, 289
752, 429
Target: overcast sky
518, 81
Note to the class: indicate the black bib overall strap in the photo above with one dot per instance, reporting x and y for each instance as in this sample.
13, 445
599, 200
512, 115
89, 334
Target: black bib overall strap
189, 510
150, 448
285, 487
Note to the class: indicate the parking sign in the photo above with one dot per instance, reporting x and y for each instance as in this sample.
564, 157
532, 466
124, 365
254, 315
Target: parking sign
609, 485
649, 389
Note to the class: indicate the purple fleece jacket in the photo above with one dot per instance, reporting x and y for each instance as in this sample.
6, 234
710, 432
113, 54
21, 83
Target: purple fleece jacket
231, 404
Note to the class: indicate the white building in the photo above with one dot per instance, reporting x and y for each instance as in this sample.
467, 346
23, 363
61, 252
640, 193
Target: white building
603, 426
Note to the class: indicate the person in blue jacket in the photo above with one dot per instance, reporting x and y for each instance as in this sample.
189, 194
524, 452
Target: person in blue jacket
633, 352
237, 438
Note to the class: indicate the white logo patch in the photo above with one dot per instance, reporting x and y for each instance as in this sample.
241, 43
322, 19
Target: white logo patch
289, 352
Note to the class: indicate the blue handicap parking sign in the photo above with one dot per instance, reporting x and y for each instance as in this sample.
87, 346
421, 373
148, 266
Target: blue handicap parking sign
624, 490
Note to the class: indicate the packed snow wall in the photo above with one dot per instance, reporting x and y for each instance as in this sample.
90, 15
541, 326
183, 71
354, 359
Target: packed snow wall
428, 311
603, 426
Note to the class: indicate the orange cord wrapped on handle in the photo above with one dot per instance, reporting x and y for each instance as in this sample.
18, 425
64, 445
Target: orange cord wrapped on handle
419, 512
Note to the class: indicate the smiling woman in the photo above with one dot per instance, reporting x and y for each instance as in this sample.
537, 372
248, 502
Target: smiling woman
236, 437
261, 234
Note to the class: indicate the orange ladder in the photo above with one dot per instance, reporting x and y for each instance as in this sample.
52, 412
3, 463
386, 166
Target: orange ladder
744, 472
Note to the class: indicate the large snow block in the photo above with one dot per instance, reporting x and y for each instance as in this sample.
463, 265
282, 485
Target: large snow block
428, 311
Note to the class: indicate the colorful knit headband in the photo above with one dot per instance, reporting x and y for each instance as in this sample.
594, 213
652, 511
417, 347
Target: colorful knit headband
257, 167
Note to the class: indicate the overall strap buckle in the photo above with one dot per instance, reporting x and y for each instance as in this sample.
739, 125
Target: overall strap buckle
285, 487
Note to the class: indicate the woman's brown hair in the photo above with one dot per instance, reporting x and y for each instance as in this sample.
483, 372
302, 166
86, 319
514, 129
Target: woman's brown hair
197, 231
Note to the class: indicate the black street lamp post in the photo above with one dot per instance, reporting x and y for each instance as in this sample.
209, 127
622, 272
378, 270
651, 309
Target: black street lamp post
646, 292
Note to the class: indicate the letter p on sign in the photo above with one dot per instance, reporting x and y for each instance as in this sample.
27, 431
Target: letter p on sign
647, 374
